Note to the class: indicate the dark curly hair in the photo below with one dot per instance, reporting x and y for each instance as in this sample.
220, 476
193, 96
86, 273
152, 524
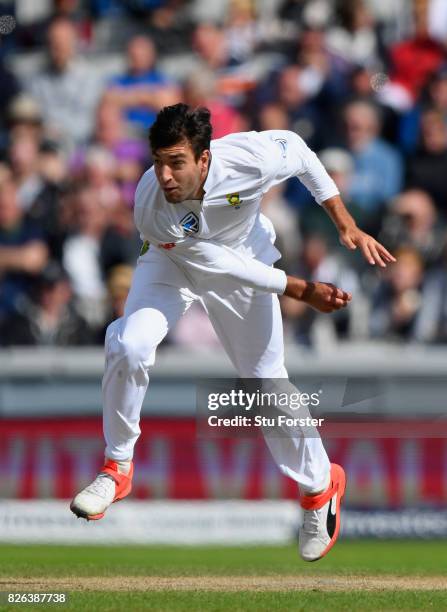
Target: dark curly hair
179, 122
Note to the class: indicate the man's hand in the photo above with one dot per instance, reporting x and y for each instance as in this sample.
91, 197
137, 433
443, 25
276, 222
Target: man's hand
352, 237
373, 251
324, 297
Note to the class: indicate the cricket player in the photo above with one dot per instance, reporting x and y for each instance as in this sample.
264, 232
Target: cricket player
198, 212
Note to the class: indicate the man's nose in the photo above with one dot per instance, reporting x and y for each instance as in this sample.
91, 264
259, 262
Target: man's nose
165, 174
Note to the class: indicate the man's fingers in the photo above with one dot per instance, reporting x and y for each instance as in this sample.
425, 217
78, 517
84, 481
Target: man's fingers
349, 243
384, 253
367, 253
377, 258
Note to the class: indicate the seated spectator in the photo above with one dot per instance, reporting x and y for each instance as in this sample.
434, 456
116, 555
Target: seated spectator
121, 242
23, 153
99, 173
294, 96
119, 279
432, 320
23, 253
46, 208
212, 51
316, 263
200, 90
130, 153
24, 118
285, 221
10, 88
435, 99
81, 254
414, 222
46, 317
355, 39
378, 168
143, 89
397, 302
413, 62
67, 89
340, 166
427, 168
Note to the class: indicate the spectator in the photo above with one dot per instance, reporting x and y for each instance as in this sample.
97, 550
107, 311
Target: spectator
130, 153
10, 88
24, 118
119, 280
355, 39
211, 46
67, 90
377, 165
81, 254
46, 208
413, 221
24, 161
121, 242
200, 90
427, 168
47, 318
413, 62
99, 174
143, 89
316, 263
410, 122
23, 253
303, 115
398, 299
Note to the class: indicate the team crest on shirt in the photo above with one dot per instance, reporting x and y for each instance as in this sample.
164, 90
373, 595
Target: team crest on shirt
190, 223
234, 200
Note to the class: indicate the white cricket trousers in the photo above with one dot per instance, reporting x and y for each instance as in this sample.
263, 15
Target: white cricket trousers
249, 325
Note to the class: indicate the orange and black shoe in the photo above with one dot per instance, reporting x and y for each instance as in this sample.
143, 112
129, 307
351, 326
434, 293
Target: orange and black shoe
109, 486
321, 517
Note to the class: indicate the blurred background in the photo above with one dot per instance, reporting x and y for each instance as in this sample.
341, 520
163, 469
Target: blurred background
364, 82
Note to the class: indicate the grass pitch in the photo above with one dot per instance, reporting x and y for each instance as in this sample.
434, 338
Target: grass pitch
360, 575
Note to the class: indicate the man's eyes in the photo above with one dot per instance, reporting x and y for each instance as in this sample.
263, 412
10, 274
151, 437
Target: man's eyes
175, 164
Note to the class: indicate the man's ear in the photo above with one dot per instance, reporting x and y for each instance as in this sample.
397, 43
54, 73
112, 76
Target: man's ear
205, 157
204, 161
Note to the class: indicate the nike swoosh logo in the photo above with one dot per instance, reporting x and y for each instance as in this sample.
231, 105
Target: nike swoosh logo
334, 505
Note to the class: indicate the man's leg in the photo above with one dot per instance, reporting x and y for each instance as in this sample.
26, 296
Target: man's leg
249, 325
152, 308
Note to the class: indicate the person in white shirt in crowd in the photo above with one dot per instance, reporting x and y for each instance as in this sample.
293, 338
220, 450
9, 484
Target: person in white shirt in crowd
67, 89
198, 210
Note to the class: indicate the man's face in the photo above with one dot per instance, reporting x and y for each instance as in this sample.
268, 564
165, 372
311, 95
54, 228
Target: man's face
180, 175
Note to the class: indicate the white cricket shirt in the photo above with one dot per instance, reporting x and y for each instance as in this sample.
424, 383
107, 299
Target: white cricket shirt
226, 230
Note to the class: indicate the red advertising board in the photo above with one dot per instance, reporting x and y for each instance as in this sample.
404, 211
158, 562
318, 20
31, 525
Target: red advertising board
53, 458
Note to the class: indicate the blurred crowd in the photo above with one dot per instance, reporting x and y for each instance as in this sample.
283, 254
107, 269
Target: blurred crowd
364, 82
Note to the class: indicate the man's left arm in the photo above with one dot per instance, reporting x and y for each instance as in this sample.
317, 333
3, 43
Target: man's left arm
288, 156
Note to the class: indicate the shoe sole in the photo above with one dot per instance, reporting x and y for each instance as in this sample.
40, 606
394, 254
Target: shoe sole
96, 517
341, 493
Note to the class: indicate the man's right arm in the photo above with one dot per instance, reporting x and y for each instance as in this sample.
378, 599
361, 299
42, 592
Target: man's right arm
212, 259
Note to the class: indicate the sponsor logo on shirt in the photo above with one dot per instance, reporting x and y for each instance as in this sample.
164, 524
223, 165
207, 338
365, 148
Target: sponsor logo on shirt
283, 144
190, 223
144, 247
234, 200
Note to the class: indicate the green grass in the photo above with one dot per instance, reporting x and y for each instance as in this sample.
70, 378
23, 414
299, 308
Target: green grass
357, 558
421, 558
245, 601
